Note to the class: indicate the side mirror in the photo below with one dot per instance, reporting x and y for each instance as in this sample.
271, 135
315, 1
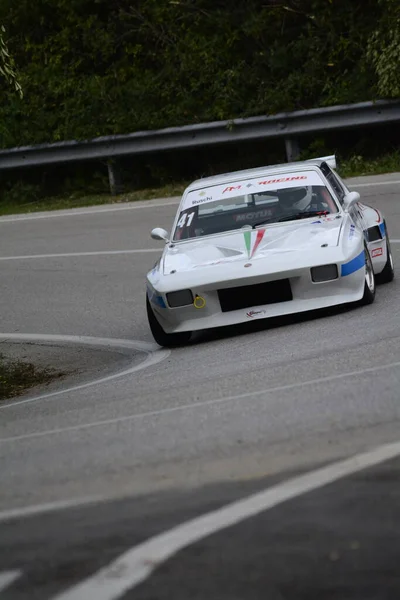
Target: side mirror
350, 199
159, 234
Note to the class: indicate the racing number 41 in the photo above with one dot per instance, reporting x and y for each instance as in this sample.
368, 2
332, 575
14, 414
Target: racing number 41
186, 219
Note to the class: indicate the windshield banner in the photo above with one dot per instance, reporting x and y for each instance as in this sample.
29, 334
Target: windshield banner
250, 186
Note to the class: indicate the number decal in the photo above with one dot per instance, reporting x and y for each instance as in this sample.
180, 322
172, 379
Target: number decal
182, 221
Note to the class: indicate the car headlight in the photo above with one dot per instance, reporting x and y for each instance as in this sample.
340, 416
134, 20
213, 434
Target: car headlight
180, 298
324, 273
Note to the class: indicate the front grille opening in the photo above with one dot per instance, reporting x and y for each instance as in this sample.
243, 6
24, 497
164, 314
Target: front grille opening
246, 296
180, 298
324, 273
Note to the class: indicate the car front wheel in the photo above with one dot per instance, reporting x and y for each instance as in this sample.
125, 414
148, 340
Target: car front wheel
387, 274
369, 284
169, 340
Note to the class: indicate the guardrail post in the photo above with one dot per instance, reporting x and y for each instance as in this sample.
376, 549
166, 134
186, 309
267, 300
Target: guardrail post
292, 149
114, 177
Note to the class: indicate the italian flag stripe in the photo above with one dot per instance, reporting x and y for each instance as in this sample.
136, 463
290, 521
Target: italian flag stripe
247, 241
260, 235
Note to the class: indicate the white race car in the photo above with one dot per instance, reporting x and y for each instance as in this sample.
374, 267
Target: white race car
262, 243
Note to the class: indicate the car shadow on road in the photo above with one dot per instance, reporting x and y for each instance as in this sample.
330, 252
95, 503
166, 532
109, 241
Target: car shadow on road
261, 325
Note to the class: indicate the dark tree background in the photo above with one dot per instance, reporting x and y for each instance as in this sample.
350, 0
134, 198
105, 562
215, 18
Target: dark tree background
98, 67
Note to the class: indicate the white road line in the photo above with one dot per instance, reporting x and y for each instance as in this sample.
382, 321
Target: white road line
96, 210
155, 355
195, 405
137, 564
7, 578
98, 253
76, 254
39, 509
378, 183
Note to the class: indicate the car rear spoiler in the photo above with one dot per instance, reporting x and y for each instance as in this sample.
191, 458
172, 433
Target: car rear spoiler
330, 160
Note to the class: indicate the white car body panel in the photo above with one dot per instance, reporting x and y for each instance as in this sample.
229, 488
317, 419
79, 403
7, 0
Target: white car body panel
274, 252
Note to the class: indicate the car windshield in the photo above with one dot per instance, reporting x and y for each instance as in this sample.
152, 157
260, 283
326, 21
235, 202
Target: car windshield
253, 202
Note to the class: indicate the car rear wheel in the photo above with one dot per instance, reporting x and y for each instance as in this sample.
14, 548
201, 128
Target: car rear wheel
162, 338
369, 285
387, 275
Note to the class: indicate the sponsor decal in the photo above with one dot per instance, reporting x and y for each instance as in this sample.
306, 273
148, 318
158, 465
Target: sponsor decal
201, 200
377, 252
232, 188
199, 302
248, 239
282, 180
252, 216
255, 313
247, 265
249, 186
352, 231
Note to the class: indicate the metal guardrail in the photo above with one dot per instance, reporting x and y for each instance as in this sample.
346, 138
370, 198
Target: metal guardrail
283, 125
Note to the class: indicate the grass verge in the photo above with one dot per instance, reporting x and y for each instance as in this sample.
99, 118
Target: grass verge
357, 166
17, 377
78, 201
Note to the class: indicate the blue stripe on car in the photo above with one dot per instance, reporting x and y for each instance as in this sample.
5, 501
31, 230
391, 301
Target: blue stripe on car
159, 300
155, 299
382, 229
353, 265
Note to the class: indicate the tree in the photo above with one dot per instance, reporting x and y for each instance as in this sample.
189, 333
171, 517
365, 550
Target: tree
94, 67
7, 67
384, 50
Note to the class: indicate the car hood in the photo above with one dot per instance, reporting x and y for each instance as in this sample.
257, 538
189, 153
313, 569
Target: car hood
245, 244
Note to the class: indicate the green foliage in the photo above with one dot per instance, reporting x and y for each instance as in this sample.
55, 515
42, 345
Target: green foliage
20, 193
384, 50
7, 69
358, 165
95, 67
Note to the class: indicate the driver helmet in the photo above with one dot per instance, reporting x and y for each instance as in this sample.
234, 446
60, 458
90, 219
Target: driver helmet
294, 199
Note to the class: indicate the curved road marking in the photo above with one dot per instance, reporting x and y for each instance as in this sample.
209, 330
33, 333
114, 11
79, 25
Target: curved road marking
172, 409
75, 254
155, 355
96, 253
135, 565
7, 578
39, 509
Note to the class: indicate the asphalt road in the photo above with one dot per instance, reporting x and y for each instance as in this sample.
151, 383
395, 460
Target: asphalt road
239, 411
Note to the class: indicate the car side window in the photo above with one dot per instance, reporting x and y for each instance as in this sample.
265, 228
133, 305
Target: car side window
334, 182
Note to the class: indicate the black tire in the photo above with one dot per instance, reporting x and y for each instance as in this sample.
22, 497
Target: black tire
369, 285
387, 274
169, 340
